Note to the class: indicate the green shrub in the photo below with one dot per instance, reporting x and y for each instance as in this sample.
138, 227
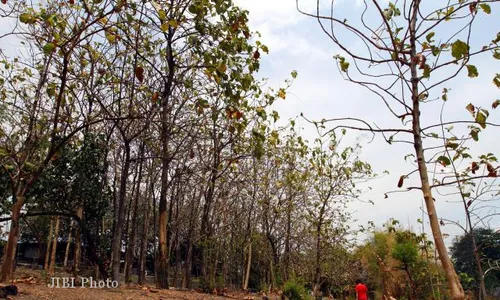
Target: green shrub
293, 290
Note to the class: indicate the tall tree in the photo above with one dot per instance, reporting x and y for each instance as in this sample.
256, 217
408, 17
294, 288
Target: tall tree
408, 59
42, 112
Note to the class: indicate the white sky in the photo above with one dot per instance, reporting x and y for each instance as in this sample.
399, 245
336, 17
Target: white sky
297, 43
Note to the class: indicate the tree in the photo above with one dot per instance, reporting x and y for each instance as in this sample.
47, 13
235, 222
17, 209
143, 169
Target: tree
335, 174
409, 59
395, 262
75, 179
488, 249
41, 114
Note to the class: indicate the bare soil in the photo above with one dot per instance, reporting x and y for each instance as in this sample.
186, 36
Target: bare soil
33, 285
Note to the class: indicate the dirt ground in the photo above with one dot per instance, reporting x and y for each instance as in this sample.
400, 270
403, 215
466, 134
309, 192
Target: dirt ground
38, 292
31, 285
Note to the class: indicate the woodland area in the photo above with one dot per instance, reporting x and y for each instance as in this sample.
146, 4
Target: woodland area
139, 144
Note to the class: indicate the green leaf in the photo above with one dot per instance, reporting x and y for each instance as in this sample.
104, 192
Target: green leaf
429, 37
496, 54
481, 119
496, 80
344, 66
485, 7
427, 71
459, 49
474, 134
27, 18
173, 23
30, 166
472, 71
3, 152
443, 160
162, 14
445, 94
51, 90
164, 26
452, 145
449, 12
294, 74
111, 37
49, 48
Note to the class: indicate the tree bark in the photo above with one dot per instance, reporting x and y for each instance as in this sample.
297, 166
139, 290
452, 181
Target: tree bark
47, 250
456, 290
177, 262
54, 247
317, 272
66, 254
249, 264
205, 219
77, 257
163, 257
117, 237
186, 280
483, 293
131, 247
145, 228
9, 256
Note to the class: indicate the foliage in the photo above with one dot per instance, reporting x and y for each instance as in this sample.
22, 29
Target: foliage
399, 263
488, 242
294, 290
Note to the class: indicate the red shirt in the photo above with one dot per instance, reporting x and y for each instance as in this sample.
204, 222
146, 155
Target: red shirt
361, 289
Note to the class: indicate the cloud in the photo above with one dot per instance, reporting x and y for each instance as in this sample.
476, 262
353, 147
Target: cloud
279, 13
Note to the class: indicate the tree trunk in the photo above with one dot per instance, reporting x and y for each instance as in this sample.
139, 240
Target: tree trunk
117, 237
317, 272
131, 247
66, 254
163, 257
54, 247
272, 280
77, 257
249, 264
186, 281
286, 254
145, 228
130, 214
456, 290
162, 261
413, 287
49, 240
177, 262
9, 256
483, 294
141, 279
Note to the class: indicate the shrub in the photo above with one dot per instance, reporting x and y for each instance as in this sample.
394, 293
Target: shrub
293, 290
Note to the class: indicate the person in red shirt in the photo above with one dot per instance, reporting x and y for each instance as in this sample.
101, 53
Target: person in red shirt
361, 290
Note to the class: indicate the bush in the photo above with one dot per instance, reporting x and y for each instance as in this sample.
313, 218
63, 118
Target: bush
293, 290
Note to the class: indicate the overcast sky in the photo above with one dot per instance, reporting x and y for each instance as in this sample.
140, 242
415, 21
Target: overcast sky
297, 43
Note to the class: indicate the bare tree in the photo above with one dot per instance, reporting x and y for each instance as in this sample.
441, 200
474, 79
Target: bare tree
404, 59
